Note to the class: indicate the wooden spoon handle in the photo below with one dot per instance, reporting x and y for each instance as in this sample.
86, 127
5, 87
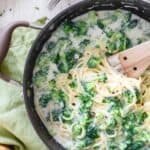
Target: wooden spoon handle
135, 60
5, 37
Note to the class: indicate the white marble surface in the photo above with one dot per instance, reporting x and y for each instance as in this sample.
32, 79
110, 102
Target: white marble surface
27, 9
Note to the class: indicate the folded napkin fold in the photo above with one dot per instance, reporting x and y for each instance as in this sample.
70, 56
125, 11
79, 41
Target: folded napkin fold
15, 127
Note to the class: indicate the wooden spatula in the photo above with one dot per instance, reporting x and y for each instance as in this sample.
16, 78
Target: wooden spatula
132, 62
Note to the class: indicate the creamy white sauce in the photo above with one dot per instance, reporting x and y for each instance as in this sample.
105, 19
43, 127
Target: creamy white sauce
95, 34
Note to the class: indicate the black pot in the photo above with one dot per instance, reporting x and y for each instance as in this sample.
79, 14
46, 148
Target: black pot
139, 7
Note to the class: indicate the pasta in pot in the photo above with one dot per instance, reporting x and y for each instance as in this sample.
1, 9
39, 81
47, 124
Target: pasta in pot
83, 102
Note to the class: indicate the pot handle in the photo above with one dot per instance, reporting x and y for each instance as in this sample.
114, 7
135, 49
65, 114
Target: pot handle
5, 36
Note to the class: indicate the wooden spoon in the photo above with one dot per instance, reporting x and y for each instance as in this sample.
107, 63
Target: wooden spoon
132, 62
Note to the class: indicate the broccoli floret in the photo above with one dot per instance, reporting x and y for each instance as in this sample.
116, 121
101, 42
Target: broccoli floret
92, 18
100, 24
137, 145
91, 135
92, 132
77, 28
118, 42
62, 63
43, 59
102, 77
60, 47
109, 131
40, 76
138, 95
66, 60
93, 61
44, 99
115, 102
56, 113
137, 118
132, 24
84, 43
73, 84
89, 87
68, 27
86, 102
52, 84
72, 56
67, 56
128, 96
81, 28
50, 46
128, 16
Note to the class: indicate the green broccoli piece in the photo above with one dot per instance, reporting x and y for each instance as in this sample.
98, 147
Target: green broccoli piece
89, 87
60, 47
118, 42
128, 96
43, 59
92, 132
102, 77
114, 102
44, 99
93, 61
40, 76
83, 44
72, 56
86, 102
50, 46
67, 56
81, 28
132, 24
73, 84
128, 16
56, 113
137, 145
52, 84
68, 27
77, 28
92, 18
62, 63
138, 95
100, 24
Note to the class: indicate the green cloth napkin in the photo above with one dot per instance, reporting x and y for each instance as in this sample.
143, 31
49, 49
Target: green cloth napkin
15, 127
